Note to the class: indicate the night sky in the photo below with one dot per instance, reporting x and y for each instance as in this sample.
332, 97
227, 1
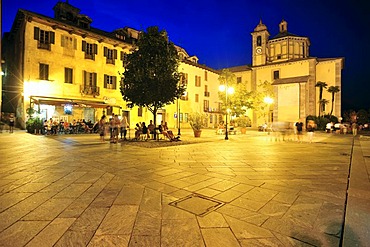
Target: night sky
218, 32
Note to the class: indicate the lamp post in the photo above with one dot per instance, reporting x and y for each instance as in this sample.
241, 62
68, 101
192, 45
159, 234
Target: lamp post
268, 100
178, 118
227, 90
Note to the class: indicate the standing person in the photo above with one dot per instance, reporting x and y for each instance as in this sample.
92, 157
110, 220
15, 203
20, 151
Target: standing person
111, 126
299, 128
354, 128
124, 126
116, 125
102, 128
11, 123
310, 130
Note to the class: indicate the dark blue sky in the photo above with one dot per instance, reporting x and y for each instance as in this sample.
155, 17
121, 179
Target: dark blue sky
218, 31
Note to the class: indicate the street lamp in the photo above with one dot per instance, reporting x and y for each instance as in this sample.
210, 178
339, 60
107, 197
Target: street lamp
268, 100
228, 90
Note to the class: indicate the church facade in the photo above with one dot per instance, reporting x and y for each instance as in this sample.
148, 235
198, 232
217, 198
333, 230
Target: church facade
283, 62
67, 70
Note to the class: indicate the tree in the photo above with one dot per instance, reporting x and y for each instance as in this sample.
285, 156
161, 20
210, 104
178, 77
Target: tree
333, 90
321, 85
322, 104
264, 90
240, 100
151, 77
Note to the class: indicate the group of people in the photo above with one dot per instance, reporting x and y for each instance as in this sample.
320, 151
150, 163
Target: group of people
311, 126
53, 126
114, 126
149, 132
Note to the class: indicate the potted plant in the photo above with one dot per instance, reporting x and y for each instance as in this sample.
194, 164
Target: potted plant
243, 122
197, 121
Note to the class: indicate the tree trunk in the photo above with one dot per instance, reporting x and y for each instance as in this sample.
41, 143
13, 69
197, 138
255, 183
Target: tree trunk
155, 122
332, 105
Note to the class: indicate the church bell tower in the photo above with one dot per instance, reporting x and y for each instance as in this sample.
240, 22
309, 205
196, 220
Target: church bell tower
260, 37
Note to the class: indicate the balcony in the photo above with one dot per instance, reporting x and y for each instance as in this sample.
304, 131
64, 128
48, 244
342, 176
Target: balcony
45, 46
212, 110
89, 56
110, 61
90, 90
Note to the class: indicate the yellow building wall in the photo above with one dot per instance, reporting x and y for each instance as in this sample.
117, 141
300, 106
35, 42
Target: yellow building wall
58, 58
327, 71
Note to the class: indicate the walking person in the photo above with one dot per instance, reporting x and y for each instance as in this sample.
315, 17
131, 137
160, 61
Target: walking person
11, 123
354, 127
116, 125
299, 128
310, 130
102, 128
124, 126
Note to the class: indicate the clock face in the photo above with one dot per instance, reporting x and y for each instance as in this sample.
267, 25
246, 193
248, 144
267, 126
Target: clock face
259, 50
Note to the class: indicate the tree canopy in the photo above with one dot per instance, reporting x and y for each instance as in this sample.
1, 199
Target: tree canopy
151, 77
240, 100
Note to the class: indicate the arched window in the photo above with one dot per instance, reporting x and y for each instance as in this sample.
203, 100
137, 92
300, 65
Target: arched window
259, 40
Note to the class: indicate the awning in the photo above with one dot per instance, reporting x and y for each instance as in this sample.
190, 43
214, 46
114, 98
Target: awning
290, 80
44, 100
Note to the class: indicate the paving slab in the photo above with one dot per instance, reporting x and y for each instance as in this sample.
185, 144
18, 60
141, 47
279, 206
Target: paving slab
73, 190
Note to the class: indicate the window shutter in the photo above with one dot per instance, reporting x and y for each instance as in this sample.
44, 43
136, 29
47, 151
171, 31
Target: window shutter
105, 81
94, 79
47, 71
36, 34
96, 49
61, 40
105, 51
122, 55
52, 37
83, 45
114, 82
85, 77
40, 71
75, 43
115, 54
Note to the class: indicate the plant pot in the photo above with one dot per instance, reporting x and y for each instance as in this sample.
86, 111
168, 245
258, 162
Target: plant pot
243, 130
197, 133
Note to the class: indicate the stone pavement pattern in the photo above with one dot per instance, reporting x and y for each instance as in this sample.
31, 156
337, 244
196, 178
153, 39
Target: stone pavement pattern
76, 191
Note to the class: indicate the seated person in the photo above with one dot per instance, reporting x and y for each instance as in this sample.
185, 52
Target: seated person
221, 128
169, 134
151, 128
138, 131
